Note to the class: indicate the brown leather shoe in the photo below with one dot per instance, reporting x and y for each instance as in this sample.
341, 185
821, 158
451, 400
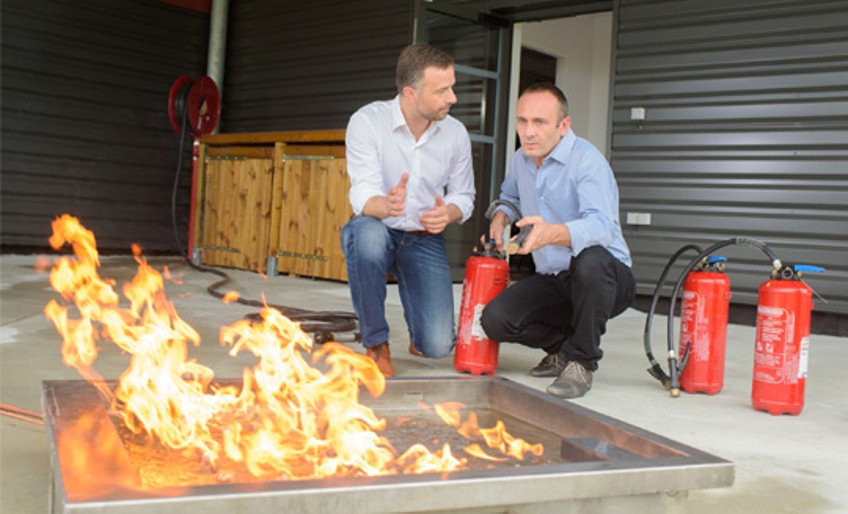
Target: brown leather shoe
414, 351
383, 358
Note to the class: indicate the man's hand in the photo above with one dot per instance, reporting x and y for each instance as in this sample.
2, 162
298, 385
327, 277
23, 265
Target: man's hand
396, 198
390, 205
543, 234
435, 220
496, 229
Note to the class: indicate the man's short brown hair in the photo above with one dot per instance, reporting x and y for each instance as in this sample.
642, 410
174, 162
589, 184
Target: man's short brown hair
414, 59
547, 87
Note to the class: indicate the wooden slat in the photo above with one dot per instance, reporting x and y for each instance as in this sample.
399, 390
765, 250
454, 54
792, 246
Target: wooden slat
249, 152
335, 151
275, 228
285, 136
237, 213
316, 207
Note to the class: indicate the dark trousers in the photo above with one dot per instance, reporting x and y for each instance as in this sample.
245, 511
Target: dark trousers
566, 312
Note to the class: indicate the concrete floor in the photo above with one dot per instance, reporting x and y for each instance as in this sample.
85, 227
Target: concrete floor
783, 464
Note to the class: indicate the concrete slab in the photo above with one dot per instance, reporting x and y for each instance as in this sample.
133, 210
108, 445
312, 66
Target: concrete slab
784, 464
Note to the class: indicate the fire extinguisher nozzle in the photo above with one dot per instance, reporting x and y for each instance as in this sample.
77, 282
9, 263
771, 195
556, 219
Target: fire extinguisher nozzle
657, 372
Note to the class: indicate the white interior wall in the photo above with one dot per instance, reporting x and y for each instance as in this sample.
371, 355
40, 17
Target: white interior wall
583, 48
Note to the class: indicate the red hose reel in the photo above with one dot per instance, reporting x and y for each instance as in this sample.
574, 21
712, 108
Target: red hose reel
196, 99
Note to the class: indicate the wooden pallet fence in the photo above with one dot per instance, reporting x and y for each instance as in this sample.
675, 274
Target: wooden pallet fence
315, 207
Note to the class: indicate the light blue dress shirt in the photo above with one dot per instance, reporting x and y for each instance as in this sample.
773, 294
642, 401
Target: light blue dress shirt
575, 186
380, 148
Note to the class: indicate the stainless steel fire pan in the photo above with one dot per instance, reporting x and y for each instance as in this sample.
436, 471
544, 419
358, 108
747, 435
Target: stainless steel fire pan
600, 464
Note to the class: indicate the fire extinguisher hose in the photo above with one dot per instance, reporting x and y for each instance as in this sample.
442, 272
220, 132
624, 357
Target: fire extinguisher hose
656, 370
672, 380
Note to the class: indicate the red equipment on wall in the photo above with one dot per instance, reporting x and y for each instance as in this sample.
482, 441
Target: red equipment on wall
197, 101
784, 309
703, 327
486, 275
193, 104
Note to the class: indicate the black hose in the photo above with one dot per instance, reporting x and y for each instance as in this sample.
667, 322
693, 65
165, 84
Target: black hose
513, 246
674, 369
656, 370
323, 322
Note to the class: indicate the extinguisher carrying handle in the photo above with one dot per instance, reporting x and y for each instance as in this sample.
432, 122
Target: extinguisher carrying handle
516, 212
798, 269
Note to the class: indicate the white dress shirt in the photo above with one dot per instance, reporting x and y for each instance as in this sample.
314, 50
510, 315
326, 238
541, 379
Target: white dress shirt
380, 148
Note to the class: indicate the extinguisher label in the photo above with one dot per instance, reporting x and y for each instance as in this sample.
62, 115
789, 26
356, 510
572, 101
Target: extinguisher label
776, 359
802, 363
476, 328
694, 327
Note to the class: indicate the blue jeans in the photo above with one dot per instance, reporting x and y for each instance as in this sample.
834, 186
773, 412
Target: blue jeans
420, 264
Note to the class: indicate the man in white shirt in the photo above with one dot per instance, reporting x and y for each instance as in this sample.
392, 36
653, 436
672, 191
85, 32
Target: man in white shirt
410, 170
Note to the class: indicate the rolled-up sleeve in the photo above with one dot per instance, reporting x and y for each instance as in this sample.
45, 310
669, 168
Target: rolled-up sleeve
460, 186
363, 162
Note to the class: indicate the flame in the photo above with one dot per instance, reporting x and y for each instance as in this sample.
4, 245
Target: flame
230, 297
170, 277
86, 452
286, 420
496, 438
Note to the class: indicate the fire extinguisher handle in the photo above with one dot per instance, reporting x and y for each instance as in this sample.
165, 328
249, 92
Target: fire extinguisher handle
808, 268
516, 212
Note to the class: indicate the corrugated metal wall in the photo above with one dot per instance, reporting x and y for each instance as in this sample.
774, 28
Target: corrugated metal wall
85, 126
310, 65
746, 134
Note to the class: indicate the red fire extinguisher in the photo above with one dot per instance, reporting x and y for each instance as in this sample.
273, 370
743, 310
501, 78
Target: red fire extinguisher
703, 327
784, 309
486, 275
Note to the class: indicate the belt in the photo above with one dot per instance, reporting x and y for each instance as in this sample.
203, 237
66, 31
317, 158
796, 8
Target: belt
419, 233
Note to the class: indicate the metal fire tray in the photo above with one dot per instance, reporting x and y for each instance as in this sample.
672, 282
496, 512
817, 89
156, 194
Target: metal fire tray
591, 462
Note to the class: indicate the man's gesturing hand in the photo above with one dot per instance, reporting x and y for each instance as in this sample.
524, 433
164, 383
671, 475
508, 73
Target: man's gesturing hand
396, 198
435, 220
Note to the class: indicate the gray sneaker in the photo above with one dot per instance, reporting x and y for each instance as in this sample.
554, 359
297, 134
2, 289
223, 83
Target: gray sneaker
551, 366
573, 382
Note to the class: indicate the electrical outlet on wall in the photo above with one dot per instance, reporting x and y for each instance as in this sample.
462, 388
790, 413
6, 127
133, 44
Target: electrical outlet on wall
638, 113
638, 218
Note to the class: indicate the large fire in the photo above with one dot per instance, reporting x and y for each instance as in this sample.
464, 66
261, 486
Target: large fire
287, 419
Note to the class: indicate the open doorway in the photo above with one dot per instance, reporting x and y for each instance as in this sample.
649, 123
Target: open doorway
535, 67
581, 47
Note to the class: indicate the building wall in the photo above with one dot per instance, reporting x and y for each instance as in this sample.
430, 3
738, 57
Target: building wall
85, 128
746, 134
310, 65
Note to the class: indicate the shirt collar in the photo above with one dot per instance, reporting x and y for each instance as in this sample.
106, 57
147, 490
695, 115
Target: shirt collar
397, 115
563, 148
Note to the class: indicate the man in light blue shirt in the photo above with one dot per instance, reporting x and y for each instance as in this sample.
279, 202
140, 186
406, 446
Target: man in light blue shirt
566, 190
410, 171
